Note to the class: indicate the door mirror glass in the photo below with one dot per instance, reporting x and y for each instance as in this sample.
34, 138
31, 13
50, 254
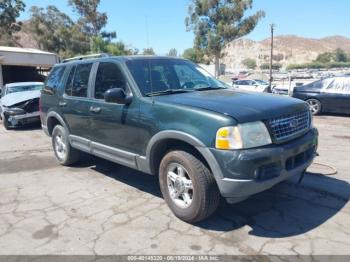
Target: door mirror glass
117, 96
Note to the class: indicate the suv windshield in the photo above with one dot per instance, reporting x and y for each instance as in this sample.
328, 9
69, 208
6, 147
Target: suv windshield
168, 76
16, 89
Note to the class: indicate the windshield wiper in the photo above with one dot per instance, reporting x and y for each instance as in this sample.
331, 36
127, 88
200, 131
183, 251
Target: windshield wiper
209, 88
168, 92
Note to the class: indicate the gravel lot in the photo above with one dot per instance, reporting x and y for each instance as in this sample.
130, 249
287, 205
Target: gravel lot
101, 208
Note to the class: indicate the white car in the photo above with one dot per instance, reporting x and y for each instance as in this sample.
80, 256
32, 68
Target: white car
19, 103
252, 85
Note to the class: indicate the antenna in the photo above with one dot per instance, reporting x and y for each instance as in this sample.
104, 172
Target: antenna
149, 61
147, 32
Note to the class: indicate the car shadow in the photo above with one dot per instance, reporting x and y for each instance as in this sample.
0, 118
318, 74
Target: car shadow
28, 127
283, 211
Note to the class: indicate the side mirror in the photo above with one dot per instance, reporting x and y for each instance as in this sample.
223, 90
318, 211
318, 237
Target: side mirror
117, 96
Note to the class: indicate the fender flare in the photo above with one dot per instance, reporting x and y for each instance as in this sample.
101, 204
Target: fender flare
189, 139
53, 114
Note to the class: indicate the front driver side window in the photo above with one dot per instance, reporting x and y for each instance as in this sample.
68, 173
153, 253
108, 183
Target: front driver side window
108, 76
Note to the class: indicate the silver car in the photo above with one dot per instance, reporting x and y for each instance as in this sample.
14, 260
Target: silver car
19, 104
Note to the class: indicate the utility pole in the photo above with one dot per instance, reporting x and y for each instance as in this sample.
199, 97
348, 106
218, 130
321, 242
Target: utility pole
271, 55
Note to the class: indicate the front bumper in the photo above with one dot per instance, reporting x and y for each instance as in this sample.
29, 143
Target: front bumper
250, 171
23, 119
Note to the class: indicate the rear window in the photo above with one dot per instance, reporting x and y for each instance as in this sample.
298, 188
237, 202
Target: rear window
338, 85
54, 79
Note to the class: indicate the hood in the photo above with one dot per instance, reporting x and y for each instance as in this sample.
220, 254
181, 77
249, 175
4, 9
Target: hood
243, 106
19, 97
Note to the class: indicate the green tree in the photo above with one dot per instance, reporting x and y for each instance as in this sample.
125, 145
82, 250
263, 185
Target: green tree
102, 45
326, 57
249, 63
340, 55
148, 51
217, 22
195, 55
266, 66
172, 52
9, 12
56, 32
91, 20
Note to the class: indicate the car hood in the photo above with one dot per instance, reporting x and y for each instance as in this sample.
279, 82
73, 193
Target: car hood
19, 97
243, 106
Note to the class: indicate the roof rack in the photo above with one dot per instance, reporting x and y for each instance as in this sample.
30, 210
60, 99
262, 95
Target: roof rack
84, 57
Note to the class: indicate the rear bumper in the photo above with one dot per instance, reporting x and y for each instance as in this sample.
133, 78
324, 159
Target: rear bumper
247, 172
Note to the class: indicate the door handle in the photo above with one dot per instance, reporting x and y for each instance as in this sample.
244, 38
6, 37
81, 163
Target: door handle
95, 109
62, 104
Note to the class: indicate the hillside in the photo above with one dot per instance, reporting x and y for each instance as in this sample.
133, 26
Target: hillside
289, 49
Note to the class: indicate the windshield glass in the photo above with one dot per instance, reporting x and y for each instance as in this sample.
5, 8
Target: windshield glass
15, 89
260, 82
159, 75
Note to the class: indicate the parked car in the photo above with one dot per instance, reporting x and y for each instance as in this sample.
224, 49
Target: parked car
327, 95
169, 118
252, 85
19, 104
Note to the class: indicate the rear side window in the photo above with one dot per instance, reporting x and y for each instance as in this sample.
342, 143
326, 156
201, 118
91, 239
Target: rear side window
54, 79
78, 80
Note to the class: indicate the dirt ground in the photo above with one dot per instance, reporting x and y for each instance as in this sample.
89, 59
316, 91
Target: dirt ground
102, 208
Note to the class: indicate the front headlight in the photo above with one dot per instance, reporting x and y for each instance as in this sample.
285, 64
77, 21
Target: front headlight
14, 111
243, 136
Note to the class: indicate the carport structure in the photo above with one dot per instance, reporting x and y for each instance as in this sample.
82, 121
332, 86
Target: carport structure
24, 64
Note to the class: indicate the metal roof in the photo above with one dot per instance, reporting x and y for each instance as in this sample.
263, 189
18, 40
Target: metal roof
17, 56
23, 50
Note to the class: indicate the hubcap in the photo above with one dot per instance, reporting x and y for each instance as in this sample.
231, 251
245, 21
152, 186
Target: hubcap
60, 147
314, 106
179, 185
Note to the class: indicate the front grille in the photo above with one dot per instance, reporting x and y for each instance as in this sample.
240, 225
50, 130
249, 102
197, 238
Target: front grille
289, 126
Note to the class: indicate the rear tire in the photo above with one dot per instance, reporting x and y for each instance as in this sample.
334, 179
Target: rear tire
65, 154
315, 106
188, 187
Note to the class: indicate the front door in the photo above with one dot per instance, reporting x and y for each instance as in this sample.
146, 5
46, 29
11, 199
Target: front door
113, 125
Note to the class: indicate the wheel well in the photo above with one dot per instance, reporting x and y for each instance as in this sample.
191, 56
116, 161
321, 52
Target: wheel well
165, 146
51, 123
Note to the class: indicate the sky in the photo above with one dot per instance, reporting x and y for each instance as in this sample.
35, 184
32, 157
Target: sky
160, 23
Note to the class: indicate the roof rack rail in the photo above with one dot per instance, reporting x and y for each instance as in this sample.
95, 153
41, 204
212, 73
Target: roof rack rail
83, 57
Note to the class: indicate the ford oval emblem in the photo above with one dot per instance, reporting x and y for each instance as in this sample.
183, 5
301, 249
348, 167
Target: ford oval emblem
294, 123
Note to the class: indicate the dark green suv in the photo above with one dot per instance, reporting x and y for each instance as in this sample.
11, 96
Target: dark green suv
168, 117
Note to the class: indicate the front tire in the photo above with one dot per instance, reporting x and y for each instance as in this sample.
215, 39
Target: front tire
315, 106
6, 122
188, 187
65, 154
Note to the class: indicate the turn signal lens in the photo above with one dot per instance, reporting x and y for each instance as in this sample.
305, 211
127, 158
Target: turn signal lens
228, 138
247, 135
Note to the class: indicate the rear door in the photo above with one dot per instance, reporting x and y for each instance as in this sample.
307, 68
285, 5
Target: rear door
75, 102
49, 94
113, 125
336, 96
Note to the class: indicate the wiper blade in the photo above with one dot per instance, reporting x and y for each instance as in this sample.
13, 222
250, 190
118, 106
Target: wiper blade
209, 88
167, 92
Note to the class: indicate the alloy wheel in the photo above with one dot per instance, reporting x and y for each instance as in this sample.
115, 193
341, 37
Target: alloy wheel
179, 185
